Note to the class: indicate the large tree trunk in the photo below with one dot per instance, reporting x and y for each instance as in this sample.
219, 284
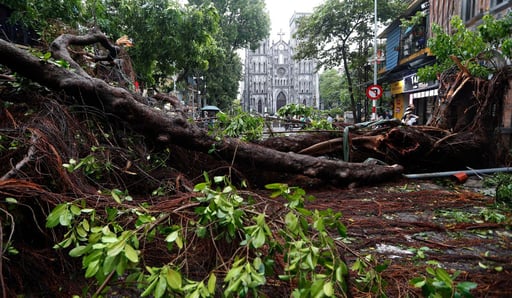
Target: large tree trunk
175, 129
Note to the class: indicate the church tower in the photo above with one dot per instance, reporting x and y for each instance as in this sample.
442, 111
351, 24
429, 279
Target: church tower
272, 78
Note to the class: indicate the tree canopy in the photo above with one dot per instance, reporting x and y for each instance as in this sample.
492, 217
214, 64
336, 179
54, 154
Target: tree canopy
243, 23
338, 28
331, 89
196, 39
490, 41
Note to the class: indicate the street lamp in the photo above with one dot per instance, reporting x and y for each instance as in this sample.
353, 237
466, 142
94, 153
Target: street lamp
374, 102
198, 93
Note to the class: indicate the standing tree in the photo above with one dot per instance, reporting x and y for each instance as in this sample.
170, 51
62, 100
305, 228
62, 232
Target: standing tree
330, 89
48, 17
335, 28
243, 23
167, 36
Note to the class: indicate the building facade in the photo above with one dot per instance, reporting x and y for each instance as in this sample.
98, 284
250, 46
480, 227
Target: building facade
272, 78
406, 49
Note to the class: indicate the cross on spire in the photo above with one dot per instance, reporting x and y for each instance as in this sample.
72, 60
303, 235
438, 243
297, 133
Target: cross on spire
281, 33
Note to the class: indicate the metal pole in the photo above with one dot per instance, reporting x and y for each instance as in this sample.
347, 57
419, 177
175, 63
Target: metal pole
374, 102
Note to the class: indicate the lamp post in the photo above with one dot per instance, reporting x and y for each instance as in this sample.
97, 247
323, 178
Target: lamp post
198, 93
374, 102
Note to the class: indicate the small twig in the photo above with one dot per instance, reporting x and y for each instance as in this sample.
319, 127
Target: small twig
23, 162
434, 242
217, 251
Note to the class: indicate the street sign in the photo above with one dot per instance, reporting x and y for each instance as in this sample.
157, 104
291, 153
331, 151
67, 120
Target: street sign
374, 92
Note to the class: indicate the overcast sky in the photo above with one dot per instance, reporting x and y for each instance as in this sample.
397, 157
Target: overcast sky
281, 11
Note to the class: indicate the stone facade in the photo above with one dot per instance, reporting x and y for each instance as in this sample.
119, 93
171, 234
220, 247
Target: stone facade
272, 78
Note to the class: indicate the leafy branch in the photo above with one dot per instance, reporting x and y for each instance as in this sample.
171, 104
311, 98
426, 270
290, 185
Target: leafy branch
251, 249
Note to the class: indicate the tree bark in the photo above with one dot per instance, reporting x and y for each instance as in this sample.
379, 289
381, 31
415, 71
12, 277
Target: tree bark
175, 129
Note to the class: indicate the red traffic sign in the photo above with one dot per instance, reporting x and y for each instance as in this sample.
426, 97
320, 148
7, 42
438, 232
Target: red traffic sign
374, 92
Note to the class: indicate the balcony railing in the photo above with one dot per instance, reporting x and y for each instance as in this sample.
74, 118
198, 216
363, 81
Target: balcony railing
414, 40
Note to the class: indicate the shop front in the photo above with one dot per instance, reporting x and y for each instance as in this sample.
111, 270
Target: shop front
422, 95
410, 91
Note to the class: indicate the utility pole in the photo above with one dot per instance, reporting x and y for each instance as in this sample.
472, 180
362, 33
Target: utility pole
374, 102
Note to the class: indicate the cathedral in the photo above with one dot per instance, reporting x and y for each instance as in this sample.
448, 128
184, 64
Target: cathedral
272, 78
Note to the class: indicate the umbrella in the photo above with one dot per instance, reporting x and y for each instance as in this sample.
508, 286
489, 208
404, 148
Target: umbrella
210, 108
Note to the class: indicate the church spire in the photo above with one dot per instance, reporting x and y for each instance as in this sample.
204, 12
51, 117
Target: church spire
281, 33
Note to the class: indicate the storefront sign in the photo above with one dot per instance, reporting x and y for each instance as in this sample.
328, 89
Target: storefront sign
397, 87
411, 83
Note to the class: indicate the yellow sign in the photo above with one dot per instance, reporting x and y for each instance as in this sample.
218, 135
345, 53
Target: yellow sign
399, 107
397, 87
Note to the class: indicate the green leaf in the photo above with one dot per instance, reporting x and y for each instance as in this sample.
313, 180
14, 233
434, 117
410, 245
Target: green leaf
99, 246
78, 251
116, 248
109, 264
381, 267
311, 260
95, 255
172, 236
466, 286
110, 238
233, 273
53, 218
201, 231
92, 269
150, 288
11, 200
291, 222
259, 240
121, 265
444, 276
431, 271
116, 197
85, 225
174, 279
341, 271
328, 289
131, 253
179, 242
233, 286
212, 283
161, 287
75, 210
64, 243
418, 282
81, 231
317, 288
65, 218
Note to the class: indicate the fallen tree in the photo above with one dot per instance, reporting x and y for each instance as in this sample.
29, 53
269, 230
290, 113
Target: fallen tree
175, 129
465, 130
49, 129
